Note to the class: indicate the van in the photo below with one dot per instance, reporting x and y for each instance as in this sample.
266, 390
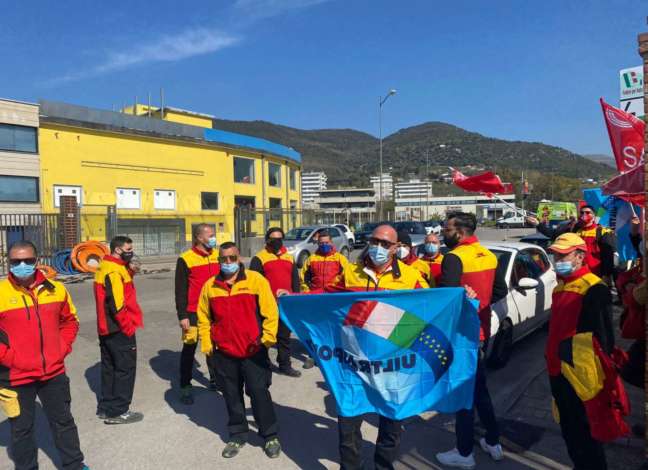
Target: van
556, 212
512, 219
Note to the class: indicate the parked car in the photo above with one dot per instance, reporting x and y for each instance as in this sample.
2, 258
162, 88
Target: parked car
348, 233
362, 235
513, 220
433, 226
537, 239
300, 242
416, 231
531, 280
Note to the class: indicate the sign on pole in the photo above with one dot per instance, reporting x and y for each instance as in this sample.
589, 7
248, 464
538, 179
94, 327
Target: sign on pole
631, 91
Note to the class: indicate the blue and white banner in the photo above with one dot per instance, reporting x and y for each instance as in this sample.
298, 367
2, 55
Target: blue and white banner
396, 353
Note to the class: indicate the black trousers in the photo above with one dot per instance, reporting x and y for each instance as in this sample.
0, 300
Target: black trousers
387, 444
118, 367
585, 452
255, 375
283, 346
187, 357
54, 395
465, 419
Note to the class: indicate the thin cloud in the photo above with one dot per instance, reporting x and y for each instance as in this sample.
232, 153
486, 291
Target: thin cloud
168, 48
260, 9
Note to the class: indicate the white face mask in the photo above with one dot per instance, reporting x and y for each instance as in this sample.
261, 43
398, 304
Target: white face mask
402, 252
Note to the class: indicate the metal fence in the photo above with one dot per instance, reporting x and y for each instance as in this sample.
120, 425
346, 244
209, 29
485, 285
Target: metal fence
41, 229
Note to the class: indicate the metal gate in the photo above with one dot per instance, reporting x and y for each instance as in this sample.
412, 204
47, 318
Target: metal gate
43, 230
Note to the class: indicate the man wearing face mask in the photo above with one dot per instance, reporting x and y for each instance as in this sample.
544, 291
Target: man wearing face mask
38, 325
581, 310
600, 241
194, 267
237, 323
118, 317
433, 257
469, 264
377, 269
323, 269
279, 268
406, 253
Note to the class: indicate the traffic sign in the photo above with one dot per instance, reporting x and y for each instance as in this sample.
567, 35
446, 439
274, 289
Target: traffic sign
631, 91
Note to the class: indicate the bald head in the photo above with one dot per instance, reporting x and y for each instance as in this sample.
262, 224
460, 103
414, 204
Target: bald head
385, 232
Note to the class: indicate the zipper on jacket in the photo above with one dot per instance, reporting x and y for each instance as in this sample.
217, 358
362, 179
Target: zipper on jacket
26, 308
40, 330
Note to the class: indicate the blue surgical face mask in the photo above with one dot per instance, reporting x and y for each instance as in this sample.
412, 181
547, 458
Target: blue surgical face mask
431, 248
229, 268
378, 254
325, 249
23, 270
564, 268
402, 252
211, 242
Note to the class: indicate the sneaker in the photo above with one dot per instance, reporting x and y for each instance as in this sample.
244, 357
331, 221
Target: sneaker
495, 451
127, 418
453, 458
309, 363
186, 395
232, 449
102, 415
272, 448
289, 371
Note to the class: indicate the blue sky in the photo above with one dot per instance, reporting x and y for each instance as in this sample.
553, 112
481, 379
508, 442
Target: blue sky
513, 69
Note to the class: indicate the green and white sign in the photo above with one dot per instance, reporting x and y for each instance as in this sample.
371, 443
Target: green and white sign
631, 90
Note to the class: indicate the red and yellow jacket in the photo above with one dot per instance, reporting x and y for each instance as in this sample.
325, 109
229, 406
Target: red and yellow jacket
435, 267
322, 271
593, 237
193, 269
421, 266
279, 269
360, 277
116, 299
469, 263
37, 329
237, 319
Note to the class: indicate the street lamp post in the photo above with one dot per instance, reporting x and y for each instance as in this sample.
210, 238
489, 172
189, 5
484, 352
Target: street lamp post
381, 101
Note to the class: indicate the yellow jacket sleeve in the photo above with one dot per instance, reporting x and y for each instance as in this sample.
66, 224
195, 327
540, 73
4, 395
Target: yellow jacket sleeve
302, 276
114, 285
203, 312
269, 311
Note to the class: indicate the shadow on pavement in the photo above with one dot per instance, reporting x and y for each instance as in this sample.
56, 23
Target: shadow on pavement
208, 410
93, 377
42, 435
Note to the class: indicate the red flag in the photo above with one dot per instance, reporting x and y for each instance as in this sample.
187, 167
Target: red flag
487, 182
626, 137
628, 186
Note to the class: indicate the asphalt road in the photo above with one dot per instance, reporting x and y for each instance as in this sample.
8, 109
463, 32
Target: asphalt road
176, 436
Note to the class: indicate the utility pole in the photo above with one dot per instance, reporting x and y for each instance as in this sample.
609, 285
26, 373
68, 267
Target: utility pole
381, 101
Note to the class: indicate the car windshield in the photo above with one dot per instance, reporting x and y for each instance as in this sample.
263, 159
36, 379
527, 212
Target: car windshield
298, 234
414, 228
508, 215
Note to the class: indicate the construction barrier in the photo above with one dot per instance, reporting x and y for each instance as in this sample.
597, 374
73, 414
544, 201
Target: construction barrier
86, 256
48, 271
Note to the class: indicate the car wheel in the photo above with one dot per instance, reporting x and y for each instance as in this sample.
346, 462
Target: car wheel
344, 252
502, 346
504, 226
302, 259
351, 242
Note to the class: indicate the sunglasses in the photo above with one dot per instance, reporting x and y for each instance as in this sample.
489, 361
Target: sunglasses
384, 243
16, 262
586, 212
228, 259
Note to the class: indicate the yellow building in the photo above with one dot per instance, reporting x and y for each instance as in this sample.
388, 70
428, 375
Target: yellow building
163, 171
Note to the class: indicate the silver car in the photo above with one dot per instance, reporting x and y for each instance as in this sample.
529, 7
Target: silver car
299, 241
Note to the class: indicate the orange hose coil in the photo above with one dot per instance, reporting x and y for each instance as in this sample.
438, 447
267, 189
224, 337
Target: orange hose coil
86, 256
48, 271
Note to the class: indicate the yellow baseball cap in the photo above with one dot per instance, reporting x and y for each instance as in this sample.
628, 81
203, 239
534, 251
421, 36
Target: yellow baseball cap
568, 242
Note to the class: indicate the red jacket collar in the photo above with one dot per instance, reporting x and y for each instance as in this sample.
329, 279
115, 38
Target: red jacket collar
427, 257
115, 260
282, 251
469, 240
410, 258
575, 275
202, 252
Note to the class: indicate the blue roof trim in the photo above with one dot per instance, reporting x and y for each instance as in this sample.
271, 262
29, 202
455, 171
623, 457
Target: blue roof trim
255, 143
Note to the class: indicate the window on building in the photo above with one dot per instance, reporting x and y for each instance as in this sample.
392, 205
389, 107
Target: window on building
18, 138
243, 170
274, 174
293, 179
164, 199
65, 190
18, 189
128, 198
209, 201
275, 208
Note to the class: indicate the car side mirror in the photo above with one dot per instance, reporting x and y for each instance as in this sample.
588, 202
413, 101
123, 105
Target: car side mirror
527, 283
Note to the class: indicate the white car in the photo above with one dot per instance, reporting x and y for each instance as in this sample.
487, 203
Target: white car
347, 232
531, 279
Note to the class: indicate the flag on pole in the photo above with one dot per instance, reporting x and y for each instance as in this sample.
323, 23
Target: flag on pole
487, 182
396, 353
628, 186
626, 137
